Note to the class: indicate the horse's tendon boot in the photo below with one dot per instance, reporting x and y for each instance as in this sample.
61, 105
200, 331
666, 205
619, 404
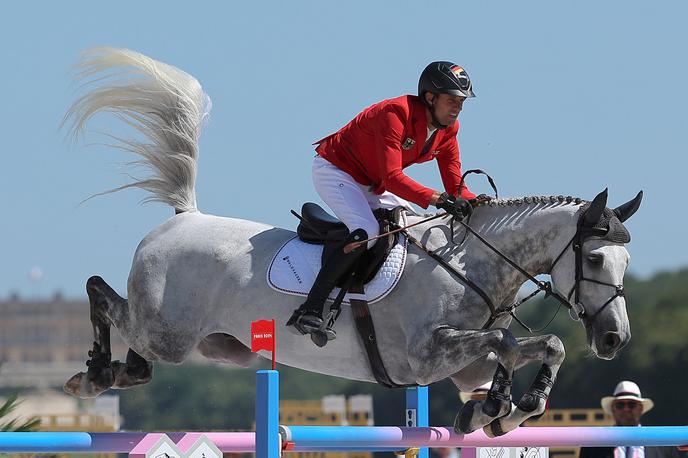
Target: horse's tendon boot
539, 390
462, 422
499, 394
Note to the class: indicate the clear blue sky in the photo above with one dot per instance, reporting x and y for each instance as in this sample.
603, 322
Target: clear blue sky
572, 97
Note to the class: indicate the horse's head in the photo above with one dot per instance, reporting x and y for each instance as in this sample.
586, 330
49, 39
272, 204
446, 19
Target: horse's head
590, 273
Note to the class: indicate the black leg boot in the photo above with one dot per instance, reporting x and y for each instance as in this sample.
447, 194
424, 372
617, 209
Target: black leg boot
309, 317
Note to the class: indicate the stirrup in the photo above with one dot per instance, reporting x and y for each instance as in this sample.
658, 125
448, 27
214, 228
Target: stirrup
305, 322
323, 335
326, 332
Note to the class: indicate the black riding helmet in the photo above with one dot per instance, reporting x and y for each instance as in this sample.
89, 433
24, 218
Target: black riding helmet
444, 77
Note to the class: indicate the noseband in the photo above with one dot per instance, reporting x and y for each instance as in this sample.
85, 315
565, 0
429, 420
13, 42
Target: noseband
577, 309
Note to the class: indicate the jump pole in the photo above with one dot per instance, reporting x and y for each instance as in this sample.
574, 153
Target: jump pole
378, 438
121, 442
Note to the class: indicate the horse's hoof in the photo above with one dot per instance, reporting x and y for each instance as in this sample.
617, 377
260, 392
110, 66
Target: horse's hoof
462, 422
319, 338
494, 429
126, 377
85, 387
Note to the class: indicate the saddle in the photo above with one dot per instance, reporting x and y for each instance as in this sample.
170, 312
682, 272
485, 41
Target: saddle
319, 227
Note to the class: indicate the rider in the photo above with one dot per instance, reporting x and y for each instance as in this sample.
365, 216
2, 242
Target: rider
359, 169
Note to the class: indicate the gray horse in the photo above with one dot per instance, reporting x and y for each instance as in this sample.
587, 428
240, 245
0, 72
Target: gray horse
197, 281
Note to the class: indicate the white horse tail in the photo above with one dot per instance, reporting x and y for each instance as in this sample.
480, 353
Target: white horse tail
166, 105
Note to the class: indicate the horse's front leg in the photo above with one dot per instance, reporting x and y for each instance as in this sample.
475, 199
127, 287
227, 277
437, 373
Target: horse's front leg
448, 350
550, 351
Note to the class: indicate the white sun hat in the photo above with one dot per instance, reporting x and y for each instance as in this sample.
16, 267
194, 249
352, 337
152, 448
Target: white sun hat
626, 390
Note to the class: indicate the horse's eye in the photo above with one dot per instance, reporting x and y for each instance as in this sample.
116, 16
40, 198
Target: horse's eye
595, 259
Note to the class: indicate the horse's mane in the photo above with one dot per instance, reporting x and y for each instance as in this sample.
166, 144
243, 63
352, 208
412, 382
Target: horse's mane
526, 200
515, 201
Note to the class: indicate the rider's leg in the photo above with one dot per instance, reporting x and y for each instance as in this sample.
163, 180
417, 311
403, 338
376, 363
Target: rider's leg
349, 202
387, 200
309, 317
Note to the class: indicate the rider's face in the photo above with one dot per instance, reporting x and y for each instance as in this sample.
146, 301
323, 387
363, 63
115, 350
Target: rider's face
447, 107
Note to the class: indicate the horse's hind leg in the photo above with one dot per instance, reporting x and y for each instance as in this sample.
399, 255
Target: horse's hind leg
136, 371
102, 372
550, 350
99, 376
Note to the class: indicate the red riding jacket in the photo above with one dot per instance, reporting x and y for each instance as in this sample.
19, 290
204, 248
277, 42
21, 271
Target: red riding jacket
387, 137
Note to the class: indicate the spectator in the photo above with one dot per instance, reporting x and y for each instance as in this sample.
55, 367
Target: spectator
627, 405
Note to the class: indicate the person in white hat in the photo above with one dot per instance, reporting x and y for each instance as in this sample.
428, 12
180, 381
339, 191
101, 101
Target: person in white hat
627, 405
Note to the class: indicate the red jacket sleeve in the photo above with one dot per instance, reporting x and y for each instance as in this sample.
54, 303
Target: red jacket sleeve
450, 167
390, 129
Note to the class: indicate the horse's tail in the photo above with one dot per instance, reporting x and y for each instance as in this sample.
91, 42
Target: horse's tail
164, 104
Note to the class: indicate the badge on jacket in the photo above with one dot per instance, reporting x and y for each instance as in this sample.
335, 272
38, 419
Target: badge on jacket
408, 144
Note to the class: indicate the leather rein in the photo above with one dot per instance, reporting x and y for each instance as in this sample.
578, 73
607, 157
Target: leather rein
577, 310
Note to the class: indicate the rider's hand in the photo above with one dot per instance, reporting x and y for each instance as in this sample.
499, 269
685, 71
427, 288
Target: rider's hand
480, 198
455, 206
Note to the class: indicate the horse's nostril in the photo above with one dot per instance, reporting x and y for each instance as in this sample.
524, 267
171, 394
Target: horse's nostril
612, 340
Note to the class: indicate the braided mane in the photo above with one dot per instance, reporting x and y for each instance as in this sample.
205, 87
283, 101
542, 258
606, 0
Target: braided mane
532, 200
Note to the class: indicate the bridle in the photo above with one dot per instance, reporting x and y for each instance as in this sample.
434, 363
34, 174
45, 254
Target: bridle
577, 309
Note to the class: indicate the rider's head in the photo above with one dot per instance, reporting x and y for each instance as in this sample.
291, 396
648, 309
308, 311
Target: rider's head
443, 87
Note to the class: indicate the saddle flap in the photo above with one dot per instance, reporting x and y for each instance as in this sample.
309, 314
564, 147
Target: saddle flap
374, 258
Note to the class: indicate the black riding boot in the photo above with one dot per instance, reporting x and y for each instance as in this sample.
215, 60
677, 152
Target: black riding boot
309, 317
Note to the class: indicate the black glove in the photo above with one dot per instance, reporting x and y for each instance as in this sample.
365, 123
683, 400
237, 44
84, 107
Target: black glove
455, 206
480, 198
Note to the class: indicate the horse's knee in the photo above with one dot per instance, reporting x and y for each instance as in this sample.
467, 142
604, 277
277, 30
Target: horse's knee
554, 350
504, 343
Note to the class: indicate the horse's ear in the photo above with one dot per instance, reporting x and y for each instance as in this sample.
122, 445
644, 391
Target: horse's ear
625, 211
597, 206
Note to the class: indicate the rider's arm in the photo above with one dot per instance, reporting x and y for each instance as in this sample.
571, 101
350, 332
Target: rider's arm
450, 165
388, 136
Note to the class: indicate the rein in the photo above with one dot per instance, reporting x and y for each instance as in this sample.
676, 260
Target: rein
577, 307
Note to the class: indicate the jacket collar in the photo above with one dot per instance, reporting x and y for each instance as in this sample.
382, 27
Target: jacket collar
420, 124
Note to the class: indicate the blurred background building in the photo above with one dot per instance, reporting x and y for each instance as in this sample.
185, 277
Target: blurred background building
44, 342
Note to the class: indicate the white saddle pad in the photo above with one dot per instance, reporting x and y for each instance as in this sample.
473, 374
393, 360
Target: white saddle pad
297, 263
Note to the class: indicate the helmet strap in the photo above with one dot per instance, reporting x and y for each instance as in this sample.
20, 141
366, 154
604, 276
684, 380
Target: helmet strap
435, 122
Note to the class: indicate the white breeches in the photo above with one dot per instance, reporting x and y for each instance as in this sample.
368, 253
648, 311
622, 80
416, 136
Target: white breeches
351, 202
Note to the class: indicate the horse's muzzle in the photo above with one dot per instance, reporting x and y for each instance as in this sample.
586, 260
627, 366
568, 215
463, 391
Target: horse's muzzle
610, 343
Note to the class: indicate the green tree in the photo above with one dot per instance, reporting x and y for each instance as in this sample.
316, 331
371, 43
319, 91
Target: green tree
15, 425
